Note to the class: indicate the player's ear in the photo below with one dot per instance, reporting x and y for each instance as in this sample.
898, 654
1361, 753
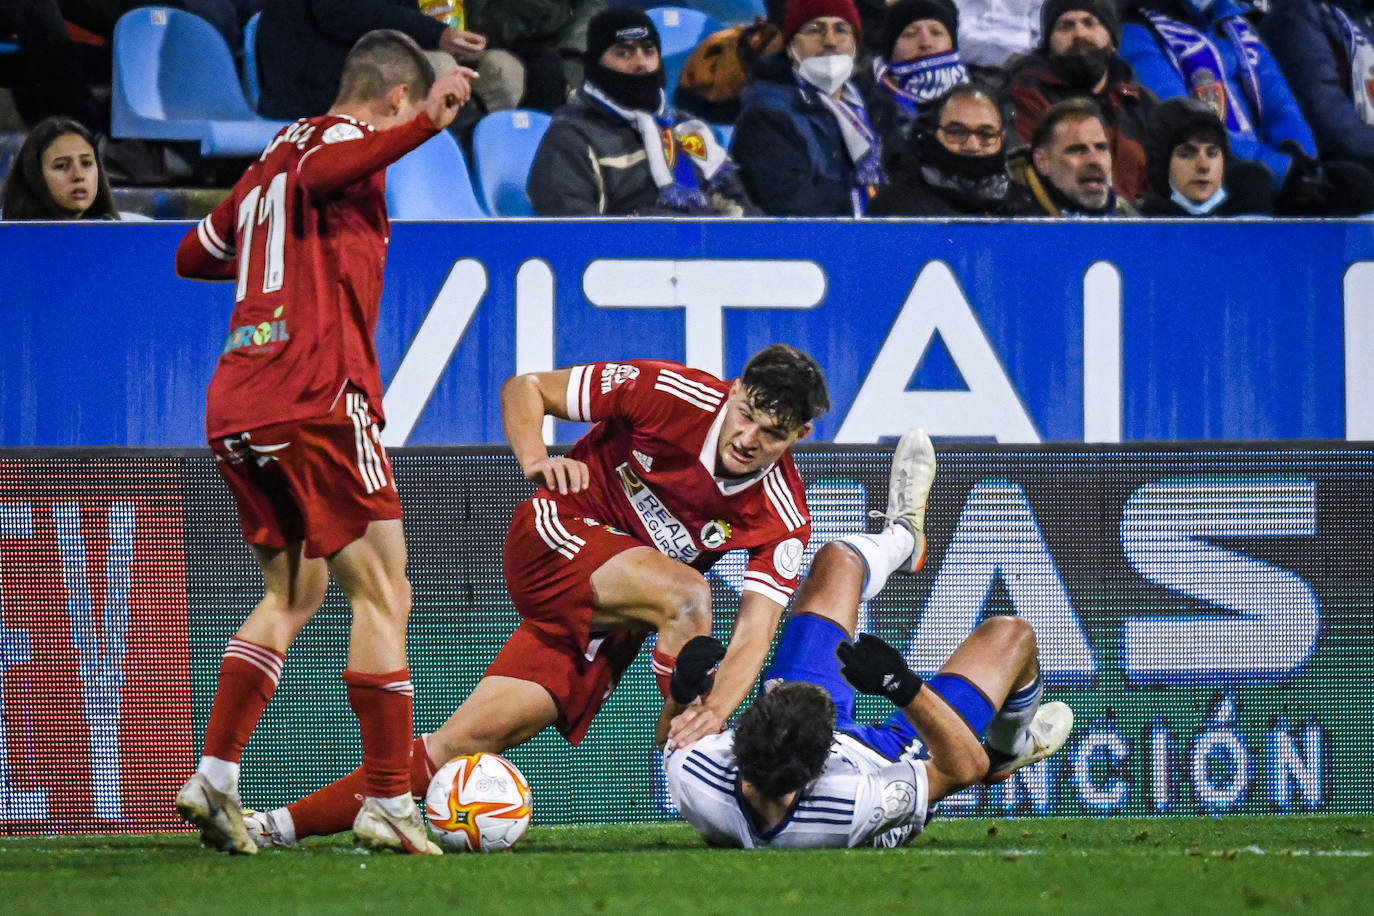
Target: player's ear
806, 430
396, 98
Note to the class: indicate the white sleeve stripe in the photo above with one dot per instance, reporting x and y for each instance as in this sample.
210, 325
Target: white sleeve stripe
215, 250
763, 578
576, 398
778, 596
691, 397
214, 236
683, 382
780, 496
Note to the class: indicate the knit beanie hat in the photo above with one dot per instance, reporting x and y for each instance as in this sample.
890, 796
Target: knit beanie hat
904, 12
800, 12
615, 24
1104, 10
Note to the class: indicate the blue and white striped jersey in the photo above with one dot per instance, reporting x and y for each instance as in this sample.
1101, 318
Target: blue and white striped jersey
860, 799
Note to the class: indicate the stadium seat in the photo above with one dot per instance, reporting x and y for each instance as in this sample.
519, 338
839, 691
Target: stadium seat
723, 132
680, 30
174, 79
503, 146
431, 182
252, 86
731, 12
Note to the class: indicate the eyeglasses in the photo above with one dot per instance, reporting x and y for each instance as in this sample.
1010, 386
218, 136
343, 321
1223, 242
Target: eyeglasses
957, 134
817, 29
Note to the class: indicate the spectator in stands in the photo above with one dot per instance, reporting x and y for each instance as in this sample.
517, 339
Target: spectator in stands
1207, 49
1068, 168
919, 62
954, 164
1077, 58
993, 32
803, 141
1326, 51
547, 36
58, 176
1192, 170
302, 45
618, 149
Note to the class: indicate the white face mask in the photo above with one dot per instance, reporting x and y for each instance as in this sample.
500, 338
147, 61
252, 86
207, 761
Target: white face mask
827, 72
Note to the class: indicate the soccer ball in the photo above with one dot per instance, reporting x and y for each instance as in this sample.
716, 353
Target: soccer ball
478, 803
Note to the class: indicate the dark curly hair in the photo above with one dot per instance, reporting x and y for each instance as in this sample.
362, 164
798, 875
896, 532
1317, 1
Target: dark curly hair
787, 383
26, 194
783, 739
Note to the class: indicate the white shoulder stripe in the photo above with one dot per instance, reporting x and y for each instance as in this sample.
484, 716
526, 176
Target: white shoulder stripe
211, 243
780, 497
705, 391
579, 393
679, 390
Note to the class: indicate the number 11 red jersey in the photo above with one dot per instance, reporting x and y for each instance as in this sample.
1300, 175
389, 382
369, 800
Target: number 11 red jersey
304, 232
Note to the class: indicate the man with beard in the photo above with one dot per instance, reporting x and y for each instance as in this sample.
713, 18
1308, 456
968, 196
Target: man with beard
618, 149
1077, 58
1069, 167
955, 164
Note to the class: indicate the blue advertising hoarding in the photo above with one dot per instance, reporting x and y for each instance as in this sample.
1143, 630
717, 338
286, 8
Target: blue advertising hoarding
1025, 332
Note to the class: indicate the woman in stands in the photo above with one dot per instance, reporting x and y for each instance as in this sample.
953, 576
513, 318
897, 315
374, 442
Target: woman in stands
58, 176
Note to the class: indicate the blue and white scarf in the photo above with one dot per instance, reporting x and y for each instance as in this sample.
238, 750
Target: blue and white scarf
1194, 56
1361, 56
860, 142
671, 169
917, 83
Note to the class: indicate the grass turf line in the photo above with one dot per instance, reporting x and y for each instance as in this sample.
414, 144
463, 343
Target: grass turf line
1318, 864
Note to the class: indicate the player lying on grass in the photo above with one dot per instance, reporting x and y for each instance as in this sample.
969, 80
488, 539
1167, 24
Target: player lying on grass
798, 772
679, 468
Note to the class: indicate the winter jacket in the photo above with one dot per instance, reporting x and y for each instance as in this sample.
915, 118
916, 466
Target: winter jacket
1034, 86
302, 45
910, 192
592, 163
789, 148
1281, 119
1309, 45
1022, 169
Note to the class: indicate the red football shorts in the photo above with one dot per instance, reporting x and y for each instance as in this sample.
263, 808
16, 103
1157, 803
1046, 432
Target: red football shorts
321, 480
549, 561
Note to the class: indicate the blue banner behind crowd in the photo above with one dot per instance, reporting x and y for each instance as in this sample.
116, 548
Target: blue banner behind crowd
1011, 332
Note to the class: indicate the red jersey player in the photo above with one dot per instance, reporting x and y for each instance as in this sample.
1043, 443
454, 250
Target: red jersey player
679, 468
293, 414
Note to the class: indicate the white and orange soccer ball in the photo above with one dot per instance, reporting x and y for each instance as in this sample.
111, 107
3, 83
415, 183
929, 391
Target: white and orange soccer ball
478, 803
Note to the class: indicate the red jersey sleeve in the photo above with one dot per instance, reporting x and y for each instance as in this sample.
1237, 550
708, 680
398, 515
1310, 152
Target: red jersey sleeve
599, 391
207, 251
774, 568
346, 152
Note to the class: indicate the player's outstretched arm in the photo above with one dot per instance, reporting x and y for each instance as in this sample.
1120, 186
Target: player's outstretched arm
750, 640
694, 675
525, 401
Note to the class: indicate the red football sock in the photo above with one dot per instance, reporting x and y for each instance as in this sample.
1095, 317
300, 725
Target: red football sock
333, 808
248, 676
662, 665
383, 705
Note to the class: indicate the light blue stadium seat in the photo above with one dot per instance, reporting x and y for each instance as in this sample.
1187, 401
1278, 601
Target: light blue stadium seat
174, 79
680, 30
252, 84
431, 182
724, 132
731, 12
503, 146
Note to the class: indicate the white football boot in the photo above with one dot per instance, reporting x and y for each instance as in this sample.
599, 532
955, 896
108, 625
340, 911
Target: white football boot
219, 815
377, 828
263, 829
908, 488
1048, 731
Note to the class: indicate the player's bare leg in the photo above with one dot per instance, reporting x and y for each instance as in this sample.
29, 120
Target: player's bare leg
371, 573
293, 587
833, 585
499, 714
641, 588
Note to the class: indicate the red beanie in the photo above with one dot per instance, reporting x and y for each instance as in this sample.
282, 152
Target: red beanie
800, 12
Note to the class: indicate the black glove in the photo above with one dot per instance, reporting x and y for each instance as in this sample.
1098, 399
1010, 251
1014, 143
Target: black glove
695, 671
872, 666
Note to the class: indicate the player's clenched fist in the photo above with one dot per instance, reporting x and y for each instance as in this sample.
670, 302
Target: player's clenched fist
449, 93
566, 475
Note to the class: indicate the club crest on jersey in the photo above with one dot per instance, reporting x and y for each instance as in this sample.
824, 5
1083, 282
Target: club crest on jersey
669, 535
645, 461
714, 534
341, 133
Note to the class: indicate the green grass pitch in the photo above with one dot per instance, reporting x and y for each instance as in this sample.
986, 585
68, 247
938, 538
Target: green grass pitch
1045, 865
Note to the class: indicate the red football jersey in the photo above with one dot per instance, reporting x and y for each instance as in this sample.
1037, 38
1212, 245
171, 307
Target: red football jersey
652, 456
305, 232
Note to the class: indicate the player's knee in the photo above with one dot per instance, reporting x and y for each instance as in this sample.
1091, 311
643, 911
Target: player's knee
970, 766
1011, 633
686, 604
